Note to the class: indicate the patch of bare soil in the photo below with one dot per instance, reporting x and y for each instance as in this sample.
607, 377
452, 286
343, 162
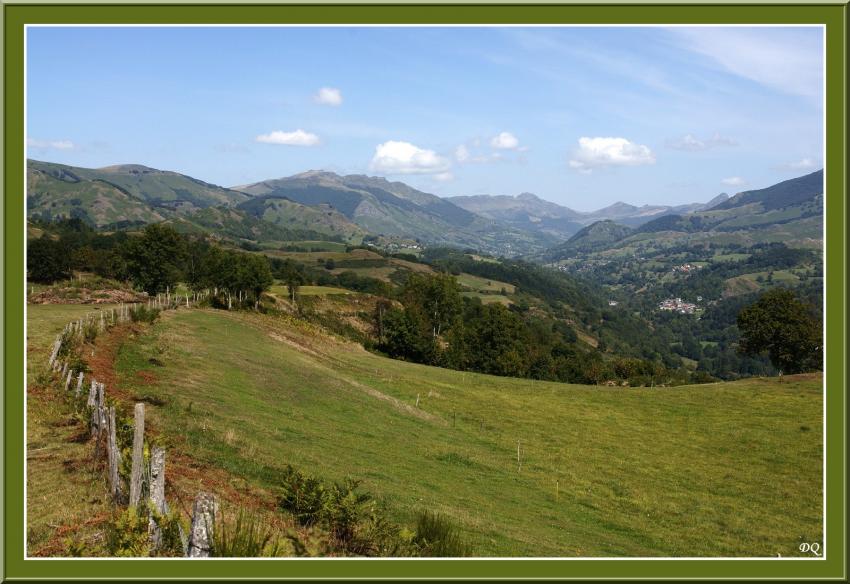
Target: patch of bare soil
74, 295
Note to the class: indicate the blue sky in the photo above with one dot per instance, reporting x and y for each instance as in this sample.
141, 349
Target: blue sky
580, 116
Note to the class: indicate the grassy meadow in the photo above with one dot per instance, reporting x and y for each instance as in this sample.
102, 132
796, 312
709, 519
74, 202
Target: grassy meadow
59, 462
727, 469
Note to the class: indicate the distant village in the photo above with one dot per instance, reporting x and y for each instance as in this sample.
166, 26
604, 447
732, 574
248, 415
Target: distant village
686, 268
678, 305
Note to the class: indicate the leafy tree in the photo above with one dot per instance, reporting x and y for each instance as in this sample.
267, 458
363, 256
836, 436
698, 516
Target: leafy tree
783, 327
154, 259
407, 335
382, 306
257, 275
293, 280
439, 297
47, 261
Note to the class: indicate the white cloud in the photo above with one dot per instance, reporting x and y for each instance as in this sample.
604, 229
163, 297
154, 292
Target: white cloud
734, 181
691, 143
444, 177
394, 157
504, 141
328, 96
789, 59
802, 164
51, 144
297, 138
462, 153
601, 152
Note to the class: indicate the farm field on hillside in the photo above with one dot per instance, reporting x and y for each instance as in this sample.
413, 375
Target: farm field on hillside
480, 284
283, 290
728, 469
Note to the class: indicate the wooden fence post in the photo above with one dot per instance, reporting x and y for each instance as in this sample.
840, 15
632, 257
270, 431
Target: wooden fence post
114, 457
79, 385
157, 494
101, 407
68, 379
138, 455
203, 520
92, 394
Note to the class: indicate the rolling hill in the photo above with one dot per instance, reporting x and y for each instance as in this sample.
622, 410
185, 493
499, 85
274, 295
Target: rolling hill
790, 212
132, 195
387, 208
531, 213
524, 211
606, 471
595, 236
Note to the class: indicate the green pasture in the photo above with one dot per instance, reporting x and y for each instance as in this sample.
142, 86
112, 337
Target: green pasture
525, 468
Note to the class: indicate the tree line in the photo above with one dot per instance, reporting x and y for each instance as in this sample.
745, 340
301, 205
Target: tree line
153, 261
428, 320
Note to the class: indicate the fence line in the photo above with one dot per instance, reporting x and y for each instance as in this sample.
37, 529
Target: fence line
145, 479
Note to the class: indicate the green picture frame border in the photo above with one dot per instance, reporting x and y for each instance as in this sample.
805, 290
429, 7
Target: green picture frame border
16, 16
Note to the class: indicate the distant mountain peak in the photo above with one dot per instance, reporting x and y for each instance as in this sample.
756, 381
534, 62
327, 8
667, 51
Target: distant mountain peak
316, 174
128, 168
618, 206
721, 198
528, 197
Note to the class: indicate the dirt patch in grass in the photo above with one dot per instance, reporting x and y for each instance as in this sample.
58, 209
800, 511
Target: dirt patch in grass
101, 358
146, 377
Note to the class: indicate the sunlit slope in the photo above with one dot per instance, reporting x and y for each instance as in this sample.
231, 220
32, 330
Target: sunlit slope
727, 469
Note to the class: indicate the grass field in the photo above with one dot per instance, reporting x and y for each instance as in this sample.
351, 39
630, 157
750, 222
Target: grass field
490, 298
64, 485
283, 291
312, 257
729, 469
746, 283
479, 284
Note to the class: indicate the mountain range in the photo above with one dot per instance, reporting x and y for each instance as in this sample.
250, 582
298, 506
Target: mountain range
789, 212
529, 212
320, 205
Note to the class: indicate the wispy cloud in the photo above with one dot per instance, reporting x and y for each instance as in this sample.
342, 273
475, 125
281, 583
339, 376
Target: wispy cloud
601, 152
297, 138
328, 96
395, 157
789, 59
733, 181
800, 165
50, 144
691, 143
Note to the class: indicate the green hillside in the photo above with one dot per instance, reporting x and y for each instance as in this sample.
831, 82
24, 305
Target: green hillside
394, 209
289, 215
677, 471
599, 235
133, 195
790, 212
48, 183
55, 191
796, 191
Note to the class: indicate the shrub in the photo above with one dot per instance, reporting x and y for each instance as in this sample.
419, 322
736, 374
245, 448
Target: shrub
338, 507
437, 536
245, 537
90, 331
170, 526
66, 344
127, 534
142, 313
302, 496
